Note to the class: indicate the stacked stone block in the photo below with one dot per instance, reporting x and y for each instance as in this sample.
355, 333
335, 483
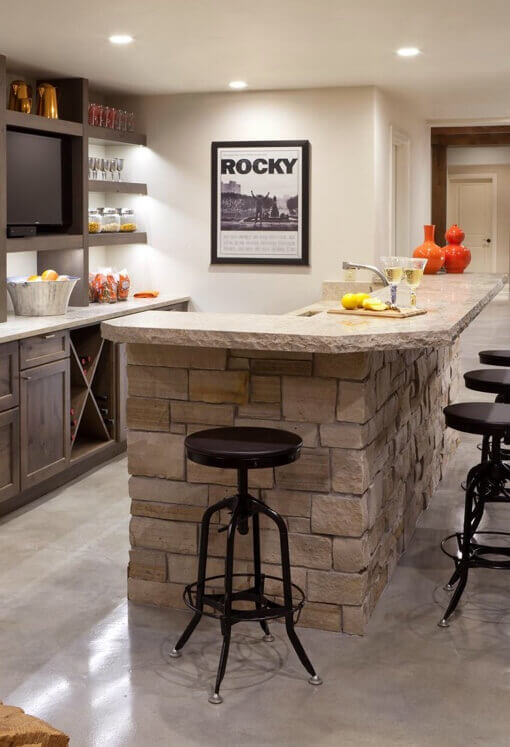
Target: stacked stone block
374, 451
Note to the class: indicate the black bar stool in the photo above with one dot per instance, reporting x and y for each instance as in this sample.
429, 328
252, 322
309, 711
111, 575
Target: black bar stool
486, 482
495, 357
493, 381
243, 449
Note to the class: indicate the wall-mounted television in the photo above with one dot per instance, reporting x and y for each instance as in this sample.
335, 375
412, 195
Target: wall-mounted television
36, 181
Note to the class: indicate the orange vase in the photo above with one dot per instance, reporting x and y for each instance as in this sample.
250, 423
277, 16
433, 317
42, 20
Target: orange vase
431, 251
457, 256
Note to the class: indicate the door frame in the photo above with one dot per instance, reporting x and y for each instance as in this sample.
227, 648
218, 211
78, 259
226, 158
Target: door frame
483, 176
474, 135
402, 140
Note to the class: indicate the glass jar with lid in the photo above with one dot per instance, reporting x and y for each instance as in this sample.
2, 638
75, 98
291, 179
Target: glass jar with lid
127, 219
110, 220
94, 220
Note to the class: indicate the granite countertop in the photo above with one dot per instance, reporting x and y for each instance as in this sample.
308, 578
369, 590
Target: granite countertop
452, 302
19, 327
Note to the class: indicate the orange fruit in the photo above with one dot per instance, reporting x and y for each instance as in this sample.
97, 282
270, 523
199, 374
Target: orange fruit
63, 277
49, 275
34, 278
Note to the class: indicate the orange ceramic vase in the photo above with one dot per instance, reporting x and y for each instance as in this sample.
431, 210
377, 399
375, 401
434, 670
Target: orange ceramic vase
457, 256
431, 251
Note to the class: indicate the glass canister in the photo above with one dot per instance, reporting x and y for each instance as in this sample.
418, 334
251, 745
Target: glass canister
110, 220
127, 219
94, 220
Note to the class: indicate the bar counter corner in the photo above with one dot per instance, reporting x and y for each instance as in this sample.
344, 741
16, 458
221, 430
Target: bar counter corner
366, 400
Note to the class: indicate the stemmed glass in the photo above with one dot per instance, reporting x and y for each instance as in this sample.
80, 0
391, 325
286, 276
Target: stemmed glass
393, 268
120, 166
413, 273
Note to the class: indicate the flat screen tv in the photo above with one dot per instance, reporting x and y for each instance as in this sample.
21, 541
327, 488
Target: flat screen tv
35, 181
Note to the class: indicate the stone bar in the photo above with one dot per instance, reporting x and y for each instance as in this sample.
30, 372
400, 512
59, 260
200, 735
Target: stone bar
375, 446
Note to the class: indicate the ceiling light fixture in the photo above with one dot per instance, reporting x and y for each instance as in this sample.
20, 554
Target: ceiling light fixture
237, 85
408, 51
121, 39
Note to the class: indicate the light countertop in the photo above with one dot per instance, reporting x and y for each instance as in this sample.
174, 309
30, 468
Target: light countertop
452, 302
19, 327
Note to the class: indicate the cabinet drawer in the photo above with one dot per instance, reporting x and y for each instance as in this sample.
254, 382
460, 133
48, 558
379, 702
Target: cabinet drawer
45, 437
9, 454
33, 351
9, 375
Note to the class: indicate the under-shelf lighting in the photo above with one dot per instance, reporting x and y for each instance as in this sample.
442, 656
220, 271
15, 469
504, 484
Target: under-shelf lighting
408, 52
237, 85
121, 39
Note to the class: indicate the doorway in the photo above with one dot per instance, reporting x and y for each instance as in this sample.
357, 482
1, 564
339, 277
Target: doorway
472, 204
399, 191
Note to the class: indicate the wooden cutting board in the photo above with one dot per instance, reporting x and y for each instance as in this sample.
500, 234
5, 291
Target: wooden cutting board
402, 313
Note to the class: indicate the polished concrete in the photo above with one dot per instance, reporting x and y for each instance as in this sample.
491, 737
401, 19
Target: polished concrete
72, 650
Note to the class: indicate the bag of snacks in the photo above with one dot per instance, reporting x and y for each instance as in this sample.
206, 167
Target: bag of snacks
92, 288
123, 284
106, 286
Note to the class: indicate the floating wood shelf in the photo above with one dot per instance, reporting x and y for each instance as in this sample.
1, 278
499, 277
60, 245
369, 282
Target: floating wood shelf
127, 188
45, 242
106, 136
117, 239
43, 124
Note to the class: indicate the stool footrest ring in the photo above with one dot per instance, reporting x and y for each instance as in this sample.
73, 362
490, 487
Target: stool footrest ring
265, 608
479, 552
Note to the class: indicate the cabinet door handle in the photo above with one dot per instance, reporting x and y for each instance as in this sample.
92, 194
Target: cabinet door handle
48, 337
26, 377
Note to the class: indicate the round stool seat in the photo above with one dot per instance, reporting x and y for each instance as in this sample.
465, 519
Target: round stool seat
495, 357
496, 381
240, 447
482, 418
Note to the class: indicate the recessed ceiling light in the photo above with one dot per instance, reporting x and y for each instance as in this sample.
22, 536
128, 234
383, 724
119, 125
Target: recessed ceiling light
121, 39
408, 51
237, 85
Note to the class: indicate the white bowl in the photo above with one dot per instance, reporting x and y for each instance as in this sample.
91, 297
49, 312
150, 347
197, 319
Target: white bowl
40, 297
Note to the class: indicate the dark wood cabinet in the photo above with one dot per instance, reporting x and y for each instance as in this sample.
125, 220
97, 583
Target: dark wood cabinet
9, 376
45, 421
34, 351
9, 454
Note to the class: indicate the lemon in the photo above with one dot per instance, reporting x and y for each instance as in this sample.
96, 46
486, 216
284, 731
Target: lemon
349, 301
34, 278
378, 307
369, 302
360, 297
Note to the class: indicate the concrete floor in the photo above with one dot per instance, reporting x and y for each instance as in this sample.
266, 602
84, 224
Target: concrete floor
72, 650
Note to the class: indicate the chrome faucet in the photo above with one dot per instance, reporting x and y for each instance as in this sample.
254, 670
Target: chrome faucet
356, 266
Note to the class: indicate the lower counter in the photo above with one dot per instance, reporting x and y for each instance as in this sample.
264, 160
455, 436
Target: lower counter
374, 451
62, 398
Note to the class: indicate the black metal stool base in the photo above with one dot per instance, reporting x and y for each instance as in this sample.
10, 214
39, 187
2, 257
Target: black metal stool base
487, 482
245, 509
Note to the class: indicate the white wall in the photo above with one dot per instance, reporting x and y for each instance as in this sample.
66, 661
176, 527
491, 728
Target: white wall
390, 113
349, 131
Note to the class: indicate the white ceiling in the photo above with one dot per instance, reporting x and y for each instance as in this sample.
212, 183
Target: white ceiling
200, 45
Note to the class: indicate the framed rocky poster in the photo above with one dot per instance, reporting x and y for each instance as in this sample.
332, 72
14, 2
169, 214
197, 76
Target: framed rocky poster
259, 209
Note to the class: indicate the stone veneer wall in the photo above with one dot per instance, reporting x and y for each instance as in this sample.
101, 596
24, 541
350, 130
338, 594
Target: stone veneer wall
374, 451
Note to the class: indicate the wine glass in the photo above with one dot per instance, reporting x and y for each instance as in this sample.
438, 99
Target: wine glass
120, 166
413, 273
393, 268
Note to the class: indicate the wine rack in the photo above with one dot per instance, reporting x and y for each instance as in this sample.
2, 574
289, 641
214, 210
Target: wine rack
93, 403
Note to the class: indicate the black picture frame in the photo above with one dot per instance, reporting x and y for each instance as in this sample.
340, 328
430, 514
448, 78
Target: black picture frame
303, 237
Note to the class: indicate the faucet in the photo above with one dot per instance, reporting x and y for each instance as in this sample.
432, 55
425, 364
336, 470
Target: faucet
356, 266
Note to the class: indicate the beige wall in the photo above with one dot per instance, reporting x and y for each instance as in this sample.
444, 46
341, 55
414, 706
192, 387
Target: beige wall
502, 173
349, 188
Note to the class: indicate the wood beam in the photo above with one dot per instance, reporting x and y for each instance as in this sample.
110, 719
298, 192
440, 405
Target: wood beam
439, 182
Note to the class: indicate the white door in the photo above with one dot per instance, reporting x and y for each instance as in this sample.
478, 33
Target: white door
471, 205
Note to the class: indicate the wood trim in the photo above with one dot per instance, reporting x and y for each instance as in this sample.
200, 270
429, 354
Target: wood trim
439, 184
126, 188
3, 195
49, 242
12, 454
9, 351
117, 239
42, 124
105, 136
474, 140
